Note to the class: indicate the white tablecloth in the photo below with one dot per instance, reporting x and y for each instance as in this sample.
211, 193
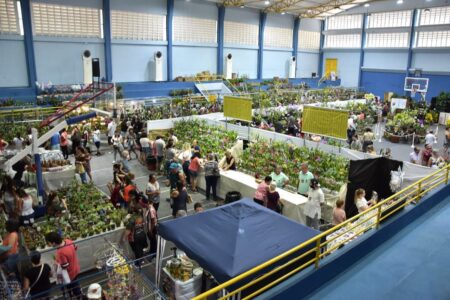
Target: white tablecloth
87, 248
52, 180
246, 185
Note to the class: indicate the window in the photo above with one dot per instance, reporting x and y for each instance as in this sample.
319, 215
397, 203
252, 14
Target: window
69, 21
278, 37
241, 33
138, 26
344, 22
309, 40
433, 39
9, 21
435, 16
390, 19
343, 41
187, 29
388, 40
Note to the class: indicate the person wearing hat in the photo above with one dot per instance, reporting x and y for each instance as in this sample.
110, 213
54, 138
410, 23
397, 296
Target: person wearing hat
312, 208
175, 175
95, 292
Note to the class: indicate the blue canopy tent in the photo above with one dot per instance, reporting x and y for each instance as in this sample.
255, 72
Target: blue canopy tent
231, 239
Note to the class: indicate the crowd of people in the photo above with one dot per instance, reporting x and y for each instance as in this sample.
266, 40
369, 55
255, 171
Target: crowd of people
181, 166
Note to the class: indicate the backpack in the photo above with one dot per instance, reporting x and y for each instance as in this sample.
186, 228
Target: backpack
139, 236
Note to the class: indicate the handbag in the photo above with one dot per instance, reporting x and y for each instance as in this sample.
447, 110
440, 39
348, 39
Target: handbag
79, 168
27, 295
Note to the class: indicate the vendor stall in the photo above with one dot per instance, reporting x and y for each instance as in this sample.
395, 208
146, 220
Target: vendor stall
246, 185
231, 239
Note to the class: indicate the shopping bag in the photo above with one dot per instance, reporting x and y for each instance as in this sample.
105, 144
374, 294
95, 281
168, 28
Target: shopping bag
62, 276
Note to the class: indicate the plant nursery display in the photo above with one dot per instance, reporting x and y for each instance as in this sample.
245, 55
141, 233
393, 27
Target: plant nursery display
211, 139
261, 156
90, 213
404, 124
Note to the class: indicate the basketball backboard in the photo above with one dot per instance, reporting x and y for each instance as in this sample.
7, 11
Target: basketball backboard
416, 84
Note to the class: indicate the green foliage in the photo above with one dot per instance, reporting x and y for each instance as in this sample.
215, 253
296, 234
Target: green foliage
181, 92
261, 156
211, 139
443, 102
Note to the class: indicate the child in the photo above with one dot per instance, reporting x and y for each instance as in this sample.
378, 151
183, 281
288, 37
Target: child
339, 213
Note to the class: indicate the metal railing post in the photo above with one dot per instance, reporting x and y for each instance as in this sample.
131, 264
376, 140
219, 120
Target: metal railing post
378, 217
419, 188
316, 263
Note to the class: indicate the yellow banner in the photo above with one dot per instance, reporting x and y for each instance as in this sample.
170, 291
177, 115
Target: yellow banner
325, 121
237, 108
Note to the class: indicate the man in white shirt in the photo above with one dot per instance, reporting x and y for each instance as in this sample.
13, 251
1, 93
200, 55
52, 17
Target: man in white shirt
111, 130
430, 138
144, 141
96, 139
414, 156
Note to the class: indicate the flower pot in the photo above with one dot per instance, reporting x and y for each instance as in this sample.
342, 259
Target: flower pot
394, 138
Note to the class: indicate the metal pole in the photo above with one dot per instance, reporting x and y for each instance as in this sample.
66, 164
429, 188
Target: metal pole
37, 162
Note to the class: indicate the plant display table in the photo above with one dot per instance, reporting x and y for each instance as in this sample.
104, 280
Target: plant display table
52, 180
246, 185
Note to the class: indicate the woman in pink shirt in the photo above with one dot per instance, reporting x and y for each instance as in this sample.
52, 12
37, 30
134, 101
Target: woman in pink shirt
194, 168
339, 215
262, 190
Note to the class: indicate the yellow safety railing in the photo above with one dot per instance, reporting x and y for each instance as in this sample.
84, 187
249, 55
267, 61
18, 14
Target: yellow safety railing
30, 112
326, 242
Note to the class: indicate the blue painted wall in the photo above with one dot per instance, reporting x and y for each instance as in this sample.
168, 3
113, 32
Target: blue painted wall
59, 60
13, 68
136, 62
276, 63
378, 82
189, 60
432, 61
348, 65
245, 57
307, 63
245, 61
387, 59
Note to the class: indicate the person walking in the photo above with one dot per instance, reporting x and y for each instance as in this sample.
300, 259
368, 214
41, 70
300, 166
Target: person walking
37, 278
179, 199
64, 143
75, 137
313, 209
8, 197
111, 131
131, 143
66, 257
212, 174
151, 219
136, 236
368, 139
159, 149
430, 138
55, 141
96, 139
117, 145
25, 208
87, 163
153, 191
79, 164
194, 169
11, 240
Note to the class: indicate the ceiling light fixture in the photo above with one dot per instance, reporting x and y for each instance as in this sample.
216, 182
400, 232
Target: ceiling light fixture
399, 2
266, 2
242, 6
283, 13
366, 5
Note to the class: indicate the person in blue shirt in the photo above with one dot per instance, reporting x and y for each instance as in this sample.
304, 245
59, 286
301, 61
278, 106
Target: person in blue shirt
55, 141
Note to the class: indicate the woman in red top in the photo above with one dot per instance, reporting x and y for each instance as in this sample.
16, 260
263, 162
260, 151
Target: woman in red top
262, 190
194, 168
126, 195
